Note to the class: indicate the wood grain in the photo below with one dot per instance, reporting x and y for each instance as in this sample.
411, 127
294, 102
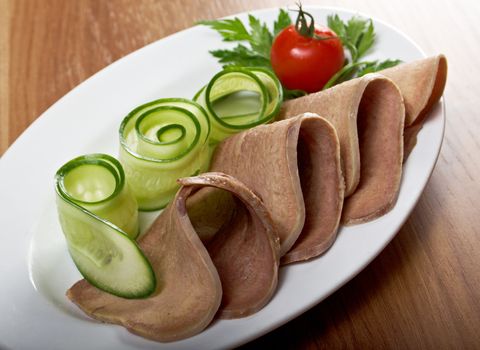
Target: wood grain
4, 70
423, 291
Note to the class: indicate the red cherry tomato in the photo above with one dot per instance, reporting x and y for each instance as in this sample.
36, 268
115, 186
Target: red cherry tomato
306, 63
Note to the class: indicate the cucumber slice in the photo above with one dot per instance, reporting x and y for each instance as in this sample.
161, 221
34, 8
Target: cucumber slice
240, 98
162, 141
99, 218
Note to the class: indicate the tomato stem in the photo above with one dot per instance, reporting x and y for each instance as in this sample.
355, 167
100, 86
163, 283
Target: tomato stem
304, 28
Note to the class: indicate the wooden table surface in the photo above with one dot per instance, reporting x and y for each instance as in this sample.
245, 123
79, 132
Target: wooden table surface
423, 290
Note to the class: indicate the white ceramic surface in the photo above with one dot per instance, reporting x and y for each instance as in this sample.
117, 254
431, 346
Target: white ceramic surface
35, 268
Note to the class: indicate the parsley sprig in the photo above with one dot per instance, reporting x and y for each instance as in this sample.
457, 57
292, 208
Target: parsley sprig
358, 36
253, 50
259, 40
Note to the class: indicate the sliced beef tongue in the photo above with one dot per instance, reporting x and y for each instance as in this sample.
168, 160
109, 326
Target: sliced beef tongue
245, 249
294, 167
319, 166
422, 83
368, 115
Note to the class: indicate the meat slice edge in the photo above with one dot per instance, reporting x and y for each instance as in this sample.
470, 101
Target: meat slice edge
380, 124
246, 248
265, 160
421, 83
318, 154
380, 105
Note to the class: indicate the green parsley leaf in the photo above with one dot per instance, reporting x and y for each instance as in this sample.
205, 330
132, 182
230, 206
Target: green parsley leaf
336, 24
229, 29
354, 29
366, 40
340, 28
282, 22
240, 56
357, 35
260, 37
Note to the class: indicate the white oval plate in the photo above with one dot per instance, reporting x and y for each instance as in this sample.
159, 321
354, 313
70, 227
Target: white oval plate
36, 270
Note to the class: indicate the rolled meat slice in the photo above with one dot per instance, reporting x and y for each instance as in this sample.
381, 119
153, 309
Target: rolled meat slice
368, 115
421, 83
294, 167
245, 248
189, 289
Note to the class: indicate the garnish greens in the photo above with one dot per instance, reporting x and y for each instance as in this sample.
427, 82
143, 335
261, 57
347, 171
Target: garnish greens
357, 36
259, 39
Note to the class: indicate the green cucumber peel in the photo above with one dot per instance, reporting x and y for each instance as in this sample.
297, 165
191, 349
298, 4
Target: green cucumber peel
233, 80
161, 141
99, 218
